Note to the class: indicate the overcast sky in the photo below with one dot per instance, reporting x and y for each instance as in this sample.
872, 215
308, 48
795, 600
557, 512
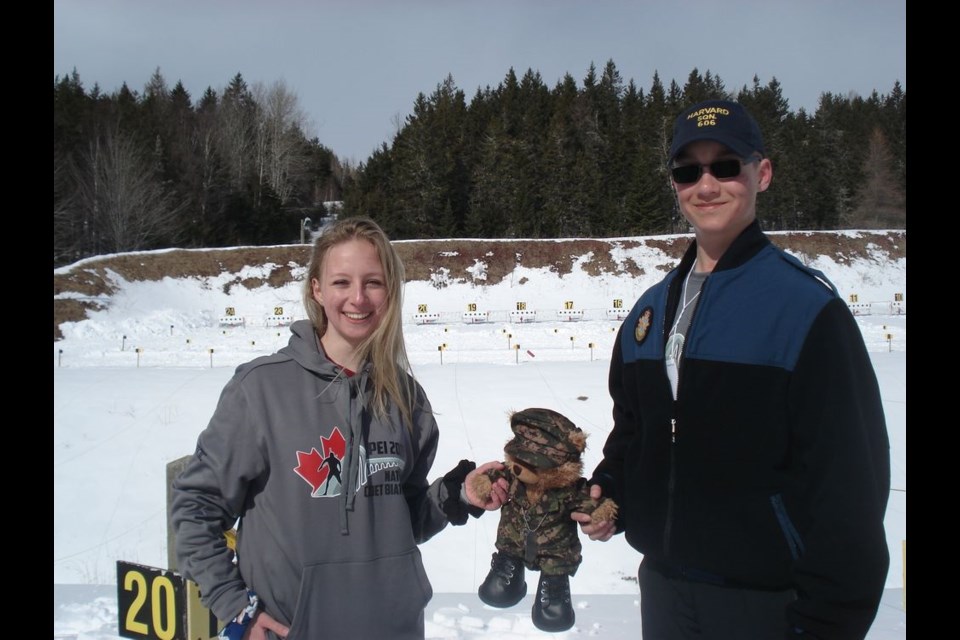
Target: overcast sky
358, 65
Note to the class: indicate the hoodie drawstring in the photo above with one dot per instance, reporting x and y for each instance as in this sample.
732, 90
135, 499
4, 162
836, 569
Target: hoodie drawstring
351, 466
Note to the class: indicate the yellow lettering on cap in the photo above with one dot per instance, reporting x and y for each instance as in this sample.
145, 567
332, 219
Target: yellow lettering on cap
708, 111
706, 119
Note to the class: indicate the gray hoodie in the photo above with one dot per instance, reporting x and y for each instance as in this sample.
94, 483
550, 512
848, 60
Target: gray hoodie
332, 501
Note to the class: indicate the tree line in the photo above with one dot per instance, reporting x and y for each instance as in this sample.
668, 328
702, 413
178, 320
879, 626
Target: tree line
153, 169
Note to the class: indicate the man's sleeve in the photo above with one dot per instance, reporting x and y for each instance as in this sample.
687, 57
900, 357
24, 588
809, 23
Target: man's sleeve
609, 473
843, 451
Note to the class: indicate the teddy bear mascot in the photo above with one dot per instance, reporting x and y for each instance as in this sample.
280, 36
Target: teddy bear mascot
543, 466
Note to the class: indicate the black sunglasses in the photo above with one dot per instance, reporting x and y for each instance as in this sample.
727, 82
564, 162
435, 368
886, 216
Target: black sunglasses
721, 169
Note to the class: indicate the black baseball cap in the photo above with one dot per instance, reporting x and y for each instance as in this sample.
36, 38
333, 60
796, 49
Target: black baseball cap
722, 121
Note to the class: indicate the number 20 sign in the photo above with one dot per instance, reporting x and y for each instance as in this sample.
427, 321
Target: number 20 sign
152, 603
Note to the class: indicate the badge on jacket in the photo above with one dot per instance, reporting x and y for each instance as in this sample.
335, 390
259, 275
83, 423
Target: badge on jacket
643, 325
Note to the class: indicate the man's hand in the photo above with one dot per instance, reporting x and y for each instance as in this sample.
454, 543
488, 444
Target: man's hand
601, 531
261, 623
498, 490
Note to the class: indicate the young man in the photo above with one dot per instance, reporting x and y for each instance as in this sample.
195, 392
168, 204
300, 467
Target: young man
749, 453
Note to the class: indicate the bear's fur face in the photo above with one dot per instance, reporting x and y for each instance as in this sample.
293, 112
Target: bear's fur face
540, 480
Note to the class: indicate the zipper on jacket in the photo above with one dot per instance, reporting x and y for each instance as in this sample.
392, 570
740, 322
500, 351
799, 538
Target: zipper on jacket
671, 484
672, 478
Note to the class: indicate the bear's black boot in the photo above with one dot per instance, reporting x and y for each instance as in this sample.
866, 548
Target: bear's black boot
552, 610
504, 585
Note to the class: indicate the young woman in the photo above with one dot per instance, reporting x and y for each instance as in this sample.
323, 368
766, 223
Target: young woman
322, 452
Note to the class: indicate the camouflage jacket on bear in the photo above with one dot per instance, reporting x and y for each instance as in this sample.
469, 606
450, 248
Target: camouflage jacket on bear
536, 525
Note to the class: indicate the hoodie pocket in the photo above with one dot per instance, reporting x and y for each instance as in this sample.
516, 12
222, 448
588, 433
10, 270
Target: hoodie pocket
374, 599
790, 533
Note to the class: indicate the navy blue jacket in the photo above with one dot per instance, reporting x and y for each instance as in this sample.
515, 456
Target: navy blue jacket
771, 469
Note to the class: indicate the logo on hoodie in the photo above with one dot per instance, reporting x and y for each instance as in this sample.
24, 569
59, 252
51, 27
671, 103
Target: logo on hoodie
322, 470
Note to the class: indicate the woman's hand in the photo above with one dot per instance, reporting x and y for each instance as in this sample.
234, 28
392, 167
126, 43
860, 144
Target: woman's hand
498, 490
261, 623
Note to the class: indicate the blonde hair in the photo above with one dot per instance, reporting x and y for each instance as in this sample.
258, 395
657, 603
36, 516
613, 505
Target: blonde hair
384, 348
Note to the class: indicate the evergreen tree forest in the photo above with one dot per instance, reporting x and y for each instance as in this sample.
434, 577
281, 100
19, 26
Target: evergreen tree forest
159, 169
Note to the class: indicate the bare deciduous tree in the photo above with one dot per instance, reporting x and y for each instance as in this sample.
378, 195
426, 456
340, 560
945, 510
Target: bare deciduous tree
880, 203
119, 194
279, 137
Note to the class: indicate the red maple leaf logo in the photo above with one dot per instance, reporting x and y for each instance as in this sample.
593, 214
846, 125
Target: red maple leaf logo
310, 465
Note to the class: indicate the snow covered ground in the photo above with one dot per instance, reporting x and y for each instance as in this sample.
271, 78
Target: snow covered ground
135, 384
